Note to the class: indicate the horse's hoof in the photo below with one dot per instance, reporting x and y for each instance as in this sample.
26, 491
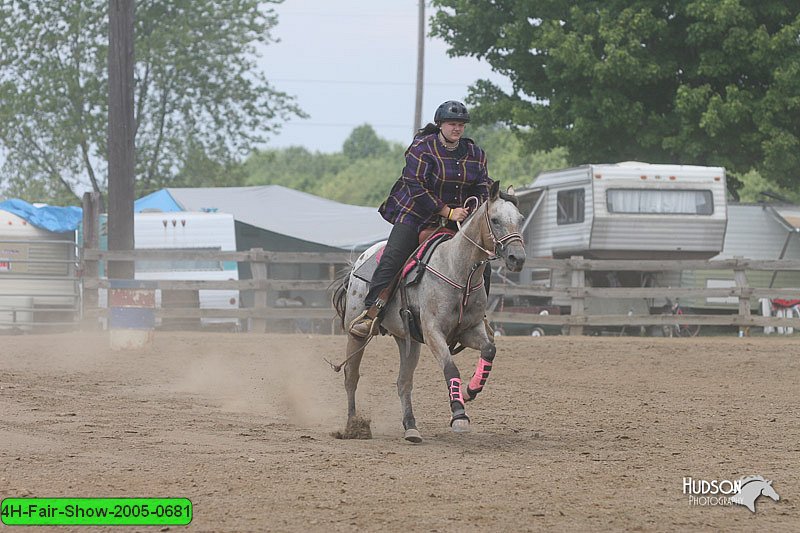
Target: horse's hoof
412, 435
460, 426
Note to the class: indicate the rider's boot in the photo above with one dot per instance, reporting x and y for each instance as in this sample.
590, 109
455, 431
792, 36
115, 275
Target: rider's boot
367, 323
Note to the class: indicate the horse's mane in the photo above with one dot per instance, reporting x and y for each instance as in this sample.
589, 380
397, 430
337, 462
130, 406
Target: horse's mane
509, 198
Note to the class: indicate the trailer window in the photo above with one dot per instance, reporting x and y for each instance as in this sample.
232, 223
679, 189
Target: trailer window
570, 206
660, 202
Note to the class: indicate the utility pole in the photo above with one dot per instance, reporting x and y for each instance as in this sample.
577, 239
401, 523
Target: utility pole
420, 66
120, 134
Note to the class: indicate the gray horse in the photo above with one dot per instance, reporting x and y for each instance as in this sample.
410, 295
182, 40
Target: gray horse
449, 303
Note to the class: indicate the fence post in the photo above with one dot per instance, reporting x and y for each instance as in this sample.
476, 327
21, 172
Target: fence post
578, 284
258, 266
89, 269
332, 277
740, 277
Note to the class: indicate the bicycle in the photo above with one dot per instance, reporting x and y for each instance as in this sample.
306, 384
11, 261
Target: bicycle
678, 329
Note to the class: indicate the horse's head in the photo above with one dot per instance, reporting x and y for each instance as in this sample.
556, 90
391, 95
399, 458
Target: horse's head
768, 491
503, 223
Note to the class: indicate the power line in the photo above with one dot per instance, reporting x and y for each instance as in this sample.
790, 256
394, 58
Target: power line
365, 82
343, 125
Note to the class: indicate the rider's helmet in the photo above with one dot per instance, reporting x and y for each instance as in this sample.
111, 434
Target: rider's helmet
451, 110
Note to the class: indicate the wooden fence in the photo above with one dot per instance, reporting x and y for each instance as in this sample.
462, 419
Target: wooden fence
261, 313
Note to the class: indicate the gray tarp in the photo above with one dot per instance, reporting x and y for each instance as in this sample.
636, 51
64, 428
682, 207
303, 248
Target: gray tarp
289, 212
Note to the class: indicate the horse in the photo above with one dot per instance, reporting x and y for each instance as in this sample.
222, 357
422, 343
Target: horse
449, 302
752, 488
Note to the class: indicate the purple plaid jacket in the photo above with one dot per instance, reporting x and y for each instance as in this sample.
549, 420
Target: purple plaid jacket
433, 178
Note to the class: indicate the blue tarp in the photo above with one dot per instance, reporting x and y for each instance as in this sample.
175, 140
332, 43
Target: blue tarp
49, 217
161, 200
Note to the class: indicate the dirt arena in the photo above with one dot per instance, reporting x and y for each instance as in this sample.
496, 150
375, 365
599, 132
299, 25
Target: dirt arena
571, 434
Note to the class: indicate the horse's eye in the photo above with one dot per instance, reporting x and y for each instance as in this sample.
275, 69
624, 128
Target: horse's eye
495, 220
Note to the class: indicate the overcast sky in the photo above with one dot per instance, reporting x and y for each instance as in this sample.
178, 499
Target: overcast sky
351, 62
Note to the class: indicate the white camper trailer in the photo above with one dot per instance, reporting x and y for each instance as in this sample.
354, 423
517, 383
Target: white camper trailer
182, 230
38, 284
628, 210
193, 231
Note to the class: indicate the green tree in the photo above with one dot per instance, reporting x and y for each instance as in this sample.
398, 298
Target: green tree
510, 161
366, 181
295, 167
196, 88
712, 82
364, 142
361, 174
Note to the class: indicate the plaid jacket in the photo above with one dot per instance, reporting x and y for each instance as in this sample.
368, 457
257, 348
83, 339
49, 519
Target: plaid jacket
433, 178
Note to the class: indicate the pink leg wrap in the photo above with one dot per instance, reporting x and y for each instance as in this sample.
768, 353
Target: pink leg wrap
481, 374
455, 390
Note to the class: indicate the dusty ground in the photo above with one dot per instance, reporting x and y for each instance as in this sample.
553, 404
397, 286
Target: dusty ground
571, 434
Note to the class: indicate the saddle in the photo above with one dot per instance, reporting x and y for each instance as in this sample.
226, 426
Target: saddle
409, 274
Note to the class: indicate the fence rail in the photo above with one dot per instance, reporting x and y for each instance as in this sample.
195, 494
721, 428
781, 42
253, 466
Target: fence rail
264, 288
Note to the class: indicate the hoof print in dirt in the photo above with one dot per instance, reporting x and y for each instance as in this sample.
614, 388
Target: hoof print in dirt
357, 428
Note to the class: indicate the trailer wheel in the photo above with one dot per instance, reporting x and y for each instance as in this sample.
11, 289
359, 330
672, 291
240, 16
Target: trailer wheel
537, 332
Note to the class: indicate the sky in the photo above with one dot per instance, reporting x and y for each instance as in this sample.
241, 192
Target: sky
354, 62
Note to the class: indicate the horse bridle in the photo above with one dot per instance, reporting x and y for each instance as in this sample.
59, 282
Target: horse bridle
499, 244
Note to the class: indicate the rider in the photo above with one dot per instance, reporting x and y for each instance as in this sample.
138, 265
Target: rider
442, 170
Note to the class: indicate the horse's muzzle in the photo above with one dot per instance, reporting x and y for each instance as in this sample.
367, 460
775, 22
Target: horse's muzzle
515, 262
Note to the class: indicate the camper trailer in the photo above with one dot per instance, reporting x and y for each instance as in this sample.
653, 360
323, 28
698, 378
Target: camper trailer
188, 231
762, 231
628, 210
38, 284
184, 230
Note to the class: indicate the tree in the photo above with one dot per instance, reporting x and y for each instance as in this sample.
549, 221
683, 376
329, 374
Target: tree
361, 174
700, 81
509, 159
294, 167
363, 142
196, 88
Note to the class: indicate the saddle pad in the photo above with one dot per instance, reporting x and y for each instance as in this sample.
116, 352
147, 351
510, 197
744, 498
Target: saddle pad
366, 270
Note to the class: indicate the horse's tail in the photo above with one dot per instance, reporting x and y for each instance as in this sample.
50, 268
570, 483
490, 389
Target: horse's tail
339, 294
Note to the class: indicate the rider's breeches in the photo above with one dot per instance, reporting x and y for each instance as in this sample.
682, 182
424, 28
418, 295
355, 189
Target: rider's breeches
403, 240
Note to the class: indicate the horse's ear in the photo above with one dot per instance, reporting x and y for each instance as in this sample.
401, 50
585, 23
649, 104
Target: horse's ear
494, 191
511, 190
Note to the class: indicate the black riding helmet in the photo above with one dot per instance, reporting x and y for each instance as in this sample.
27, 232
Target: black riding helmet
451, 110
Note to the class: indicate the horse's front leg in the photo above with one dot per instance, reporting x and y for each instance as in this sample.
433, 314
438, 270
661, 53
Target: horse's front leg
436, 341
477, 339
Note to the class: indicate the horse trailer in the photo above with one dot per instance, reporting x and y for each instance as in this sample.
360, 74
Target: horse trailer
628, 210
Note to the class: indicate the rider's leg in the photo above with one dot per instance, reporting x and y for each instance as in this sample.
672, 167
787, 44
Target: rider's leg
402, 241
